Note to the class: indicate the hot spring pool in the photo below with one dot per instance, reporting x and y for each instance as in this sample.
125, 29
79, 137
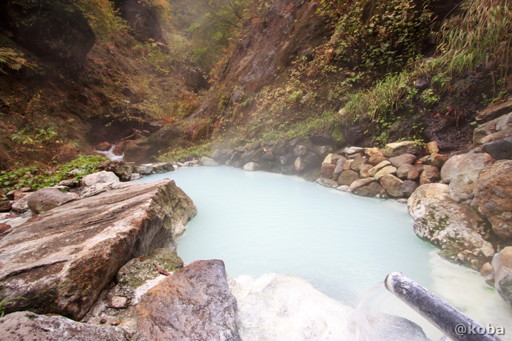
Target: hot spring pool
343, 244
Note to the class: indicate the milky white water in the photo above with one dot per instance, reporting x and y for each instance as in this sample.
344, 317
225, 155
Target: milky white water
343, 244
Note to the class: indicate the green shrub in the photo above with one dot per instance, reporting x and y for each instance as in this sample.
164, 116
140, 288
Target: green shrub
36, 178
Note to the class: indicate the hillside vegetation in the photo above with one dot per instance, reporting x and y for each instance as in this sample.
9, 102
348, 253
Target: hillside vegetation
186, 76
365, 72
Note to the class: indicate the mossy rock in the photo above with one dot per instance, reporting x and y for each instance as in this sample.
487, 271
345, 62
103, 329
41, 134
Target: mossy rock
142, 269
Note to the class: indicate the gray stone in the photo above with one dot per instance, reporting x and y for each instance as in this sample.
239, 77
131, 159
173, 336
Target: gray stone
500, 127
194, 303
408, 188
392, 185
364, 171
45, 199
495, 110
378, 167
61, 262
403, 171
300, 164
120, 168
118, 302
353, 150
28, 326
327, 182
429, 175
438, 160
221, 155
135, 176
421, 83
383, 171
500, 149
360, 183
357, 163
373, 189
99, 178
404, 159
470, 164
251, 166
403, 147
163, 167
493, 197
68, 183
347, 177
462, 188
206, 161
144, 169
502, 275
20, 205
327, 170
339, 168
454, 228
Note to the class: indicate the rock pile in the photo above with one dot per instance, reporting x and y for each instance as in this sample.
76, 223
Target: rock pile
394, 171
296, 156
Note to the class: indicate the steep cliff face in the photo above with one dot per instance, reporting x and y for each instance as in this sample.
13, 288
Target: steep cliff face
277, 34
73, 74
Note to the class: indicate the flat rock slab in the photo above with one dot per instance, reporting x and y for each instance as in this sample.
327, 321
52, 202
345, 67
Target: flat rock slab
61, 262
194, 303
27, 326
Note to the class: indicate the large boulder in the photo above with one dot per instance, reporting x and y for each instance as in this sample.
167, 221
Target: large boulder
282, 308
28, 326
61, 262
46, 199
493, 197
194, 303
454, 228
470, 164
